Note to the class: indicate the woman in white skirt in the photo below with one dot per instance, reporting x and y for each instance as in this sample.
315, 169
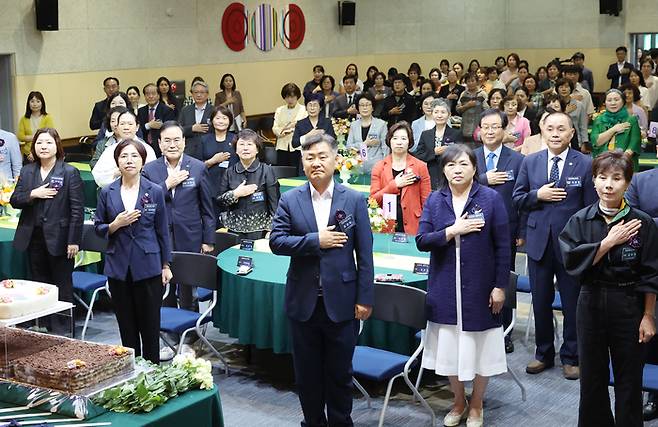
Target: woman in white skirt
465, 227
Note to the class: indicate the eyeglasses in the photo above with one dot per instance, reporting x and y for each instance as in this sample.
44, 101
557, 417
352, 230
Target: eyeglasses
492, 127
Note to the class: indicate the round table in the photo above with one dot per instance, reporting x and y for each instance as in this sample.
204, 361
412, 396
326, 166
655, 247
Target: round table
251, 308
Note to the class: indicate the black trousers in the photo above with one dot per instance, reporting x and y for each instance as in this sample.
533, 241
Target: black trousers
543, 293
137, 307
54, 270
608, 322
322, 353
506, 313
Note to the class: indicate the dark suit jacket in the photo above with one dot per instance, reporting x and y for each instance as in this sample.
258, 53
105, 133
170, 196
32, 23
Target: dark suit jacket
641, 194
187, 119
547, 219
163, 113
613, 74
344, 282
425, 151
304, 126
143, 246
190, 209
485, 258
408, 113
531, 115
61, 216
98, 114
340, 106
509, 161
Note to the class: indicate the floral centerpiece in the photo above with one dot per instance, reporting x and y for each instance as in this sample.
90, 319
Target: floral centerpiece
378, 223
341, 129
349, 162
6, 190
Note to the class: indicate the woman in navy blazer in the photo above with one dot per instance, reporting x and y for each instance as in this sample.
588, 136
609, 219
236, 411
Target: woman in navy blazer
465, 227
49, 192
131, 214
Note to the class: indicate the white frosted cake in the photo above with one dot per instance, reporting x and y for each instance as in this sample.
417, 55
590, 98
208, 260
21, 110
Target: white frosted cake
23, 297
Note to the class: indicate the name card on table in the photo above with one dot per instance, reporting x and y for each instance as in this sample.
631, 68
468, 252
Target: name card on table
246, 245
246, 261
390, 206
421, 268
400, 238
653, 129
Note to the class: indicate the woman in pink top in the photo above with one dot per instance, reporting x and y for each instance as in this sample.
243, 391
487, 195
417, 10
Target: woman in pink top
518, 127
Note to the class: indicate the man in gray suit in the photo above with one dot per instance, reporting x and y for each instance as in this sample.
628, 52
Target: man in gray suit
345, 104
195, 119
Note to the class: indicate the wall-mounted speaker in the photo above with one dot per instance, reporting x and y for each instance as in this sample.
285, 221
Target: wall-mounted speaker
610, 7
47, 15
346, 13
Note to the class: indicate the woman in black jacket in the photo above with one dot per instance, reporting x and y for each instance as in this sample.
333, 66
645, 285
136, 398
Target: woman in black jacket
249, 190
49, 193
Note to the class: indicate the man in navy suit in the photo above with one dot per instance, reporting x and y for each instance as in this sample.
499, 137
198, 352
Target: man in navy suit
618, 72
152, 115
552, 185
195, 119
328, 289
111, 88
498, 167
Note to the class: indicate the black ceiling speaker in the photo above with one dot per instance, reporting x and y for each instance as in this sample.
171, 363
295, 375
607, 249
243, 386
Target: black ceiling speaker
610, 7
47, 15
346, 13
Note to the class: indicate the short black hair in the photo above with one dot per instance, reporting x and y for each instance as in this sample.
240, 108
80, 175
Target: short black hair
249, 135
224, 111
108, 115
562, 81
367, 96
611, 160
111, 78
494, 112
399, 77
126, 142
171, 124
290, 89
317, 97
621, 48
636, 91
524, 89
135, 88
452, 153
318, 67
578, 55
331, 79
122, 95
348, 77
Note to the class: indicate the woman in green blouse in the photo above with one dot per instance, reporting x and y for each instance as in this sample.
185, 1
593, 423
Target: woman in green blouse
616, 129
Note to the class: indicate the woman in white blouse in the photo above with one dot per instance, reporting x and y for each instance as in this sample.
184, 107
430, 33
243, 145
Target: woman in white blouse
285, 119
650, 81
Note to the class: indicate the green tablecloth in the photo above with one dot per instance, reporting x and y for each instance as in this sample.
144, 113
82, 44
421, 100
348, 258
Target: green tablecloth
197, 408
89, 185
251, 307
648, 161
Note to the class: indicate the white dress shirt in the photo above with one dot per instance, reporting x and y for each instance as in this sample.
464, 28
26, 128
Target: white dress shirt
106, 170
322, 204
496, 157
172, 170
560, 164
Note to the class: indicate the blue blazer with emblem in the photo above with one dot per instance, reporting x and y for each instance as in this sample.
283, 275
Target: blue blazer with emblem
547, 219
641, 194
190, 208
485, 258
509, 161
344, 282
143, 246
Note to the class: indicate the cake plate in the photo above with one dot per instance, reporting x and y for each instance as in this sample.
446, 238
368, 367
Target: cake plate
61, 306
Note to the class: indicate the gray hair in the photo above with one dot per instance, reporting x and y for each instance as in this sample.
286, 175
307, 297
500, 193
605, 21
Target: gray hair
200, 83
318, 138
440, 102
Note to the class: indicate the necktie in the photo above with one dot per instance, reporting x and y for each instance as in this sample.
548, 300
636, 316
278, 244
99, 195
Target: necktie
555, 171
349, 99
490, 161
151, 117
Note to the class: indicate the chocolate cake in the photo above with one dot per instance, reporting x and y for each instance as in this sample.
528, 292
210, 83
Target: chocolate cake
16, 343
73, 365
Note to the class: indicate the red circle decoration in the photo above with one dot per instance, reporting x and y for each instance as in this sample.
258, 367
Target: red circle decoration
293, 26
234, 26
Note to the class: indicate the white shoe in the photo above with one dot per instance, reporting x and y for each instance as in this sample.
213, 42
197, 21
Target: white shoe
166, 354
187, 350
476, 422
453, 419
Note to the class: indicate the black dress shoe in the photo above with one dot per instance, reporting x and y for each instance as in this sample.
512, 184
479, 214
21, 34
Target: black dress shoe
509, 345
650, 410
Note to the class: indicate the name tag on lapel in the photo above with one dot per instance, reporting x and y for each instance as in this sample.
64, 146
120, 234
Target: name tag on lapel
574, 181
347, 223
628, 254
510, 175
476, 212
259, 196
56, 182
189, 183
223, 164
149, 208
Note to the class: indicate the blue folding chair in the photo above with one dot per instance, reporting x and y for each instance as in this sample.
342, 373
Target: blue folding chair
399, 304
83, 281
191, 269
223, 241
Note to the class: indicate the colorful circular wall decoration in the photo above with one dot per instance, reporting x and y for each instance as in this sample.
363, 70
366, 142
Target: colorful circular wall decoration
234, 26
264, 27
293, 26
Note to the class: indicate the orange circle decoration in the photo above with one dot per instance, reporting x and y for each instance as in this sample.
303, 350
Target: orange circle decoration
234, 26
293, 26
